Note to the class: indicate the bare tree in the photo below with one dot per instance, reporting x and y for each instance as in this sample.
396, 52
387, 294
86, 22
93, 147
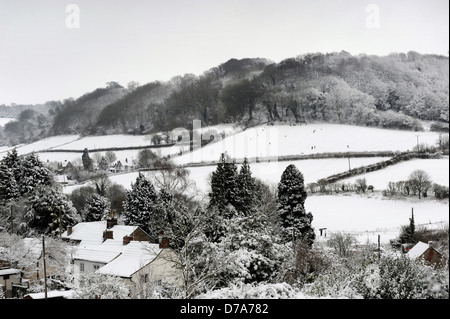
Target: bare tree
361, 184
342, 243
110, 156
172, 178
420, 182
97, 156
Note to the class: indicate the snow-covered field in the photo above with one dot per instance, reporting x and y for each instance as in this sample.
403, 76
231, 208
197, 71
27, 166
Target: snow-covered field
124, 156
438, 169
105, 141
77, 143
285, 140
44, 144
370, 215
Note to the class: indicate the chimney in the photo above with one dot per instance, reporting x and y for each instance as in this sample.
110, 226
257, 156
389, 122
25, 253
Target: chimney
160, 236
69, 230
432, 244
127, 239
107, 234
164, 243
111, 222
163, 240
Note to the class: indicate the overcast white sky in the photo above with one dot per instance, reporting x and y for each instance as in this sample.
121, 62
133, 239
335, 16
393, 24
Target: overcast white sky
41, 59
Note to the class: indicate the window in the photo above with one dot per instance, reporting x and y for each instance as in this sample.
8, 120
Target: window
96, 267
144, 278
81, 267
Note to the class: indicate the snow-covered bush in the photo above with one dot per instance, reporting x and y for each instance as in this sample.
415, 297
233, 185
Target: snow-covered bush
251, 253
99, 286
336, 282
302, 264
390, 277
253, 291
403, 278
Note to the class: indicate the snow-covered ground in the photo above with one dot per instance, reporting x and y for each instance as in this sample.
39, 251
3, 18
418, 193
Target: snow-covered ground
106, 141
285, 140
370, 215
77, 143
47, 143
124, 156
438, 169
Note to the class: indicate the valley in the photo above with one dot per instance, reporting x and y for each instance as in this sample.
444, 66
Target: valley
270, 149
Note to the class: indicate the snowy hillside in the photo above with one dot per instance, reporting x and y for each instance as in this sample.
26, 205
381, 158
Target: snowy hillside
285, 140
52, 149
44, 144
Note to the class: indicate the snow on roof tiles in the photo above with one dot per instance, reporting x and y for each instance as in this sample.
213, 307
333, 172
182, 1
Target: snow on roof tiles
9, 271
98, 252
93, 231
134, 256
418, 250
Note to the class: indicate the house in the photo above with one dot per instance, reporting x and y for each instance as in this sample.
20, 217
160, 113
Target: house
9, 279
89, 257
142, 262
120, 250
116, 168
135, 262
98, 232
428, 252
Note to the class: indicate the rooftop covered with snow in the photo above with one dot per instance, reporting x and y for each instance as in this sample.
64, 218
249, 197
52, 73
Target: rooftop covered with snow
93, 231
134, 256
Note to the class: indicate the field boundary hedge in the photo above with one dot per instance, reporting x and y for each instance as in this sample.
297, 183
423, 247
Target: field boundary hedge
380, 165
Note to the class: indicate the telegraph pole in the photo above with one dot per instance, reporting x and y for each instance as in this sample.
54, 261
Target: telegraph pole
45, 270
11, 218
349, 168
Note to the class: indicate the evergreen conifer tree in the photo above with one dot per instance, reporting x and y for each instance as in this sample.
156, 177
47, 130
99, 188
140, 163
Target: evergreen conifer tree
32, 174
19, 176
245, 190
140, 205
9, 174
97, 208
87, 161
296, 223
223, 186
9, 189
49, 211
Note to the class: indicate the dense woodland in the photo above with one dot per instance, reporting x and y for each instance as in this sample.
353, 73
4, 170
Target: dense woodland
394, 91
